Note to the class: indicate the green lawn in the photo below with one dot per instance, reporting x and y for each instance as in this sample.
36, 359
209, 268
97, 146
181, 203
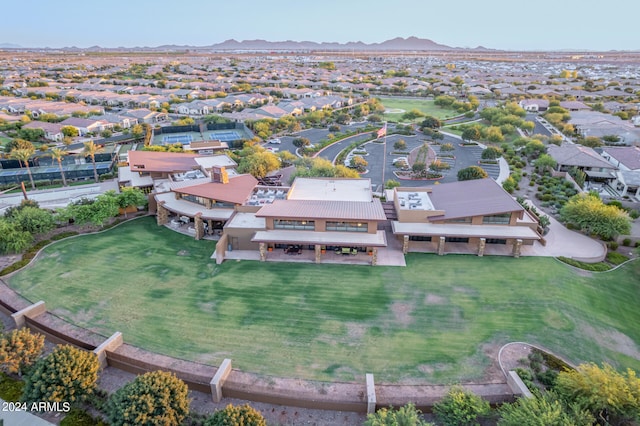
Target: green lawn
426, 106
430, 321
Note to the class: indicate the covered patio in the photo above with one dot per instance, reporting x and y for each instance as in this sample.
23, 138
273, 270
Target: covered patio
320, 247
476, 239
196, 219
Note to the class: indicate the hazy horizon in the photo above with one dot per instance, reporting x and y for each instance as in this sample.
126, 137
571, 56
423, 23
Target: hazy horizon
543, 25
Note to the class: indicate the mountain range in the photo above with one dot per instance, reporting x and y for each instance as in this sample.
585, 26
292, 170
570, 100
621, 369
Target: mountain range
396, 44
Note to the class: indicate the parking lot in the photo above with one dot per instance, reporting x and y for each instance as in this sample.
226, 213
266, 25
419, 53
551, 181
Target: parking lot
380, 164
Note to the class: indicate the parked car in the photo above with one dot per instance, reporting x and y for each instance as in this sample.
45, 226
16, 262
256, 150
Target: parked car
274, 140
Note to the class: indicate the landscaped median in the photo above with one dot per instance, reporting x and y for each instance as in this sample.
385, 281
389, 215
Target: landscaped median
436, 321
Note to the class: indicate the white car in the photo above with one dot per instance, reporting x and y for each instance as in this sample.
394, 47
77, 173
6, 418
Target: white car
275, 140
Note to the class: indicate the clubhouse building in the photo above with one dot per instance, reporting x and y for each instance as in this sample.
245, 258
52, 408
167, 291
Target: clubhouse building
324, 219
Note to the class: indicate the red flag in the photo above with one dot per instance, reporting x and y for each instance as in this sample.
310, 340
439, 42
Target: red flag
383, 131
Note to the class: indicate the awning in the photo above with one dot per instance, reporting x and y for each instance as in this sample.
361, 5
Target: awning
601, 175
464, 231
329, 238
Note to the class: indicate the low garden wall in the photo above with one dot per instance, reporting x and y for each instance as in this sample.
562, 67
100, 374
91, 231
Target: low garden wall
242, 385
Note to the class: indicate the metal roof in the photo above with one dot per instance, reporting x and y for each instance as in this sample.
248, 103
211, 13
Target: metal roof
321, 209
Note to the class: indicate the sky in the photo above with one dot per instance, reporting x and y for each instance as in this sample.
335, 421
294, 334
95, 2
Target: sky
499, 24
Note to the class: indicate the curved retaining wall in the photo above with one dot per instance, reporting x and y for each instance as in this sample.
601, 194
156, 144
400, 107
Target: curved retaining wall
338, 396
247, 386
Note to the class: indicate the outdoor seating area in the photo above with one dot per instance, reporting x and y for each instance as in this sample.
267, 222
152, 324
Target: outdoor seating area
293, 249
266, 196
346, 251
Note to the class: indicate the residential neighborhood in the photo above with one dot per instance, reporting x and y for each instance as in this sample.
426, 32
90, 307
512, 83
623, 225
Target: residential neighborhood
318, 218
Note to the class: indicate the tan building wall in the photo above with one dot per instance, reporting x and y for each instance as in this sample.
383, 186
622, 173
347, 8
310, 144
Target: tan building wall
240, 238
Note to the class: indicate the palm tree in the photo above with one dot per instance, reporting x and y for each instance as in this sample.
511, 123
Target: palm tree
57, 154
90, 150
23, 155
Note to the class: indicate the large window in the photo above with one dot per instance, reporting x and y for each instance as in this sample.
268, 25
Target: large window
419, 238
308, 225
500, 219
457, 240
495, 241
194, 199
348, 226
459, 220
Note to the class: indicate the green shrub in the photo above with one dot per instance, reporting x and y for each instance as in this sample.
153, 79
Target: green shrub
552, 361
626, 242
547, 378
10, 388
406, 415
616, 258
460, 407
156, 397
67, 374
613, 245
78, 417
595, 267
14, 266
63, 235
232, 415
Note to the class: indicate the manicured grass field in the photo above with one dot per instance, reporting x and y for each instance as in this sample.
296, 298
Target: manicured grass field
426, 106
430, 321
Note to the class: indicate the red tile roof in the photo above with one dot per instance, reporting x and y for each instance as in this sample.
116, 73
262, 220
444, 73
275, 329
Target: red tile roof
237, 191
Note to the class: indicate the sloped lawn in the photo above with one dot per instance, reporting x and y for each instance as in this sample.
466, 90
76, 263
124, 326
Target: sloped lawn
430, 321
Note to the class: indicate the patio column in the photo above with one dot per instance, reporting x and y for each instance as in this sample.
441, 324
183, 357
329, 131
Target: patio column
162, 215
263, 252
199, 225
318, 253
517, 246
210, 225
481, 245
374, 256
441, 246
405, 244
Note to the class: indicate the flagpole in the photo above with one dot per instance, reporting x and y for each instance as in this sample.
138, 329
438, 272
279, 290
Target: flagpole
384, 159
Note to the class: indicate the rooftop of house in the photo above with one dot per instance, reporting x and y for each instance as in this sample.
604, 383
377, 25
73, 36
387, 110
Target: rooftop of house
577, 155
236, 191
629, 156
324, 209
331, 189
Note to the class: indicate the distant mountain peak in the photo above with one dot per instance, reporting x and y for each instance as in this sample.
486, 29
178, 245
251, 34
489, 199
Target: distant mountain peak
398, 43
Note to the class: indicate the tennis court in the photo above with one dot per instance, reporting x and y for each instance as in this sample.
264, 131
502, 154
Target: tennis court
182, 138
225, 136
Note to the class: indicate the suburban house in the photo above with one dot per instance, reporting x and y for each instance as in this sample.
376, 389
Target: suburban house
627, 162
476, 213
119, 120
593, 123
85, 125
144, 115
534, 105
52, 131
569, 156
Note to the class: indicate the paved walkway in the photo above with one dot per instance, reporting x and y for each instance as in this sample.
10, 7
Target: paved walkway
20, 418
563, 242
